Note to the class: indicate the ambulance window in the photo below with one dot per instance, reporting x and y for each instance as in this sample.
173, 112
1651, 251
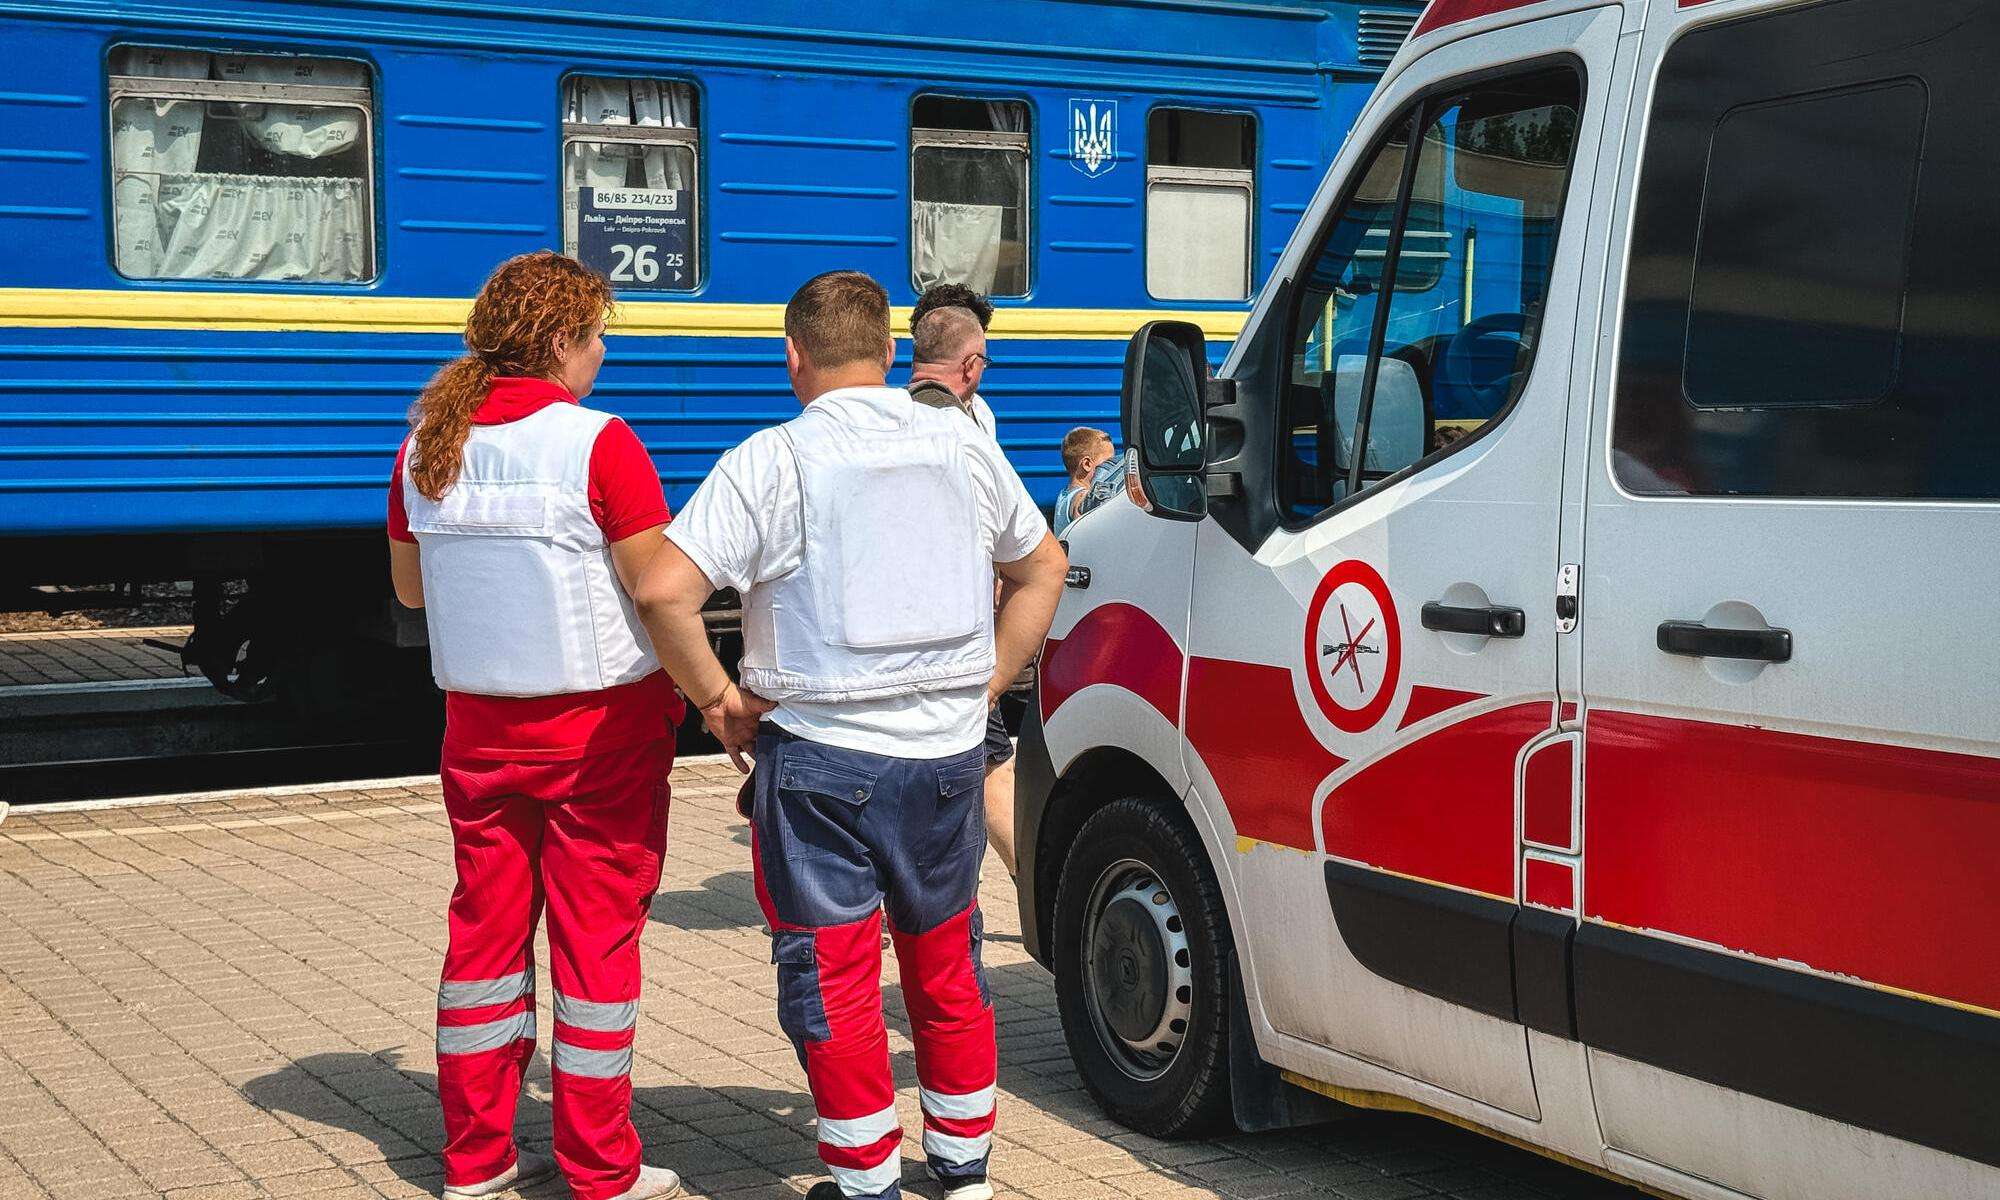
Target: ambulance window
241, 166
1201, 187
1804, 313
1467, 234
630, 204
969, 194
1833, 341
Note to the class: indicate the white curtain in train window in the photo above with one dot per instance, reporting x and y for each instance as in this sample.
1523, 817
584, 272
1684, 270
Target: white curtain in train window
262, 227
296, 130
643, 102
150, 138
962, 196
155, 62
956, 243
171, 221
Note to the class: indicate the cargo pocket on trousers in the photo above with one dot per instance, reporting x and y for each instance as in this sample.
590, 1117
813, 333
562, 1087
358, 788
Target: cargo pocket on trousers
801, 1010
956, 835
977, 925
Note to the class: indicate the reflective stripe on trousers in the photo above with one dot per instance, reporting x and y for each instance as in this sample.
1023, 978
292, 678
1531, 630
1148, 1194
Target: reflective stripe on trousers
860, 1152
594, 1037
479, 993
460, 1005
583, 839
958, 1129
486, 1035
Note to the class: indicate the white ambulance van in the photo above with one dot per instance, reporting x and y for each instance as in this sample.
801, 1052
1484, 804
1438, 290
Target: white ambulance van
1547, 676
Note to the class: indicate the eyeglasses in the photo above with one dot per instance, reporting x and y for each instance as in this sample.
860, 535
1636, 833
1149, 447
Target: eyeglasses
983, 360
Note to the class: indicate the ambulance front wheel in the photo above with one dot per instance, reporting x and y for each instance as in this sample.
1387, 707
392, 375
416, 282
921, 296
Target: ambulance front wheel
1140, 942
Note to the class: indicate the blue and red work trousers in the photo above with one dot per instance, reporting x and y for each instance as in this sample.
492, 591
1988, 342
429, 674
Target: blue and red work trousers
583, 837
841, 836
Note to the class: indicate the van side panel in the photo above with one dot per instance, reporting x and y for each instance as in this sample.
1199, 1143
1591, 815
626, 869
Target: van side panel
1786, 970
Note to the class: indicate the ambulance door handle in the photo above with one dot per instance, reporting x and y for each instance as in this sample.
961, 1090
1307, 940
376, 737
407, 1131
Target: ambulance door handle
1489, 620
1692, 639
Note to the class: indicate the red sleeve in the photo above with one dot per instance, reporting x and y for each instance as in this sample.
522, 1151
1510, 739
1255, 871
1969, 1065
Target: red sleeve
399, 516
625, 492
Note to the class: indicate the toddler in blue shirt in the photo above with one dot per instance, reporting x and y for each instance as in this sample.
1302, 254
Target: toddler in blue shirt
1091, 461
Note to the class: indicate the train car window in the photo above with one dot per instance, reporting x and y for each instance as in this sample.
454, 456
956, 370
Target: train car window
1804, 313
1382, 378
969, 194
1201, 197
241, 166
631, 208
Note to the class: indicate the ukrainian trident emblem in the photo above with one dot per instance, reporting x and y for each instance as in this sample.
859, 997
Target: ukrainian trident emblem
1093, 136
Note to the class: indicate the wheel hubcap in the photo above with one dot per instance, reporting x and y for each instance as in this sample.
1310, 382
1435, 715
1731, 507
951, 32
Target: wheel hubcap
1139, 977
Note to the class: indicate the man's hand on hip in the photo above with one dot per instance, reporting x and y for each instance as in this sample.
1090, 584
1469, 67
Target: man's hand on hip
733, 719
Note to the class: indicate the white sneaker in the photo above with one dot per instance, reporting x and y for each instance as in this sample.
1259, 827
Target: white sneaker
528, 1168
965, 1189
653, 1182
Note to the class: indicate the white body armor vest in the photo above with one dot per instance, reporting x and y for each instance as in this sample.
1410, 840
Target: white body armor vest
894, 591
519, 589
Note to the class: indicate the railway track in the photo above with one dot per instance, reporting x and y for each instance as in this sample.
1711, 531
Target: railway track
105, 738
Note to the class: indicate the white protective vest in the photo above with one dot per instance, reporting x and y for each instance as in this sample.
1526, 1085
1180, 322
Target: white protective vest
894, 591
519, 588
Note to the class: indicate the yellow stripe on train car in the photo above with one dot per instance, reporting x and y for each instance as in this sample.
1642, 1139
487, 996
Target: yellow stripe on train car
279, 312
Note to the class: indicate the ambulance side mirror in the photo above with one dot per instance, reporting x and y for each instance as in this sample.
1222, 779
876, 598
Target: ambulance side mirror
1163, 409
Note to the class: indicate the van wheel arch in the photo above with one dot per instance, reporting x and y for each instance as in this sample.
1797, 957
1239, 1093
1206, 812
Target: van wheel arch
1096, 778
1258, 1095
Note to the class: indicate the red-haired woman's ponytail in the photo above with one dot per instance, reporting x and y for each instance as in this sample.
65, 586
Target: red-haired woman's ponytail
528, 303
443, 420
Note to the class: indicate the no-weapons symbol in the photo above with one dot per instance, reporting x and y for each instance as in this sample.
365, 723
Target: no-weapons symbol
1353, 646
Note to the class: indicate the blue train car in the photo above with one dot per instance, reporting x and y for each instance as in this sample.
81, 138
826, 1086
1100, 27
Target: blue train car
241, 235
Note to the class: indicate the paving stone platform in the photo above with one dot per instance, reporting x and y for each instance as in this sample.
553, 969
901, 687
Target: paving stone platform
234, 998
89, 656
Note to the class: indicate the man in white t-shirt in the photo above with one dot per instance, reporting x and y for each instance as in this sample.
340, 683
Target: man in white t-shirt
865, 536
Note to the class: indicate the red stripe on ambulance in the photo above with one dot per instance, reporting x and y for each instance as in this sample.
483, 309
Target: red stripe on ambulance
1440, 808
1243, 720
1844, 856
1118, 644
1451, 12
1426, 702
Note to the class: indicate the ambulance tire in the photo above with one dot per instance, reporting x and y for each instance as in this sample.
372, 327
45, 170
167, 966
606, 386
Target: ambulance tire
1179, 1094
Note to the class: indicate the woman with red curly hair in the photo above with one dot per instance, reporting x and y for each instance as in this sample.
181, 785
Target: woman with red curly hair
519, 520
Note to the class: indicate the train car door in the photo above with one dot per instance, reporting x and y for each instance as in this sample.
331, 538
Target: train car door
1788, 972
1373, 639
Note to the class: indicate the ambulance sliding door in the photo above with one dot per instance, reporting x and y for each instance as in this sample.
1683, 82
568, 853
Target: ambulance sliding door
1373, 638
1788, 971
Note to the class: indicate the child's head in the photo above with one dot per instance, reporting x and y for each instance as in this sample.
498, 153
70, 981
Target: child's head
1083, 449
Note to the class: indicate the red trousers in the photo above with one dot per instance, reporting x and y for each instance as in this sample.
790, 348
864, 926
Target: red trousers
583, 837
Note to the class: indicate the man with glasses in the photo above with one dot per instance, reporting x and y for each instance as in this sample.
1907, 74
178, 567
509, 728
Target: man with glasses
947, 361
955, 295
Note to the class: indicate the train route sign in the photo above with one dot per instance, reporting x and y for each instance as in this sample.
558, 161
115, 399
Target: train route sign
639, 237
